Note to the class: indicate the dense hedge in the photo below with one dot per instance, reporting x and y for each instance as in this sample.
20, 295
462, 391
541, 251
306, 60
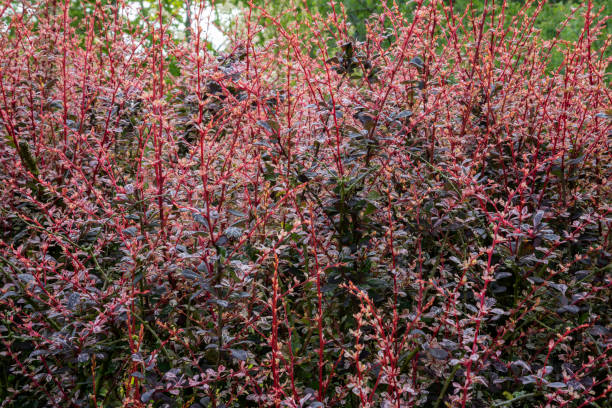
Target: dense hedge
421, 218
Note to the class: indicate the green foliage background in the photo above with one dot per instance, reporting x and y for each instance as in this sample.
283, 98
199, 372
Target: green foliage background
550, 19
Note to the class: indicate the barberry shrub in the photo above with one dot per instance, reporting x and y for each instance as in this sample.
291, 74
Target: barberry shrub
418, 219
